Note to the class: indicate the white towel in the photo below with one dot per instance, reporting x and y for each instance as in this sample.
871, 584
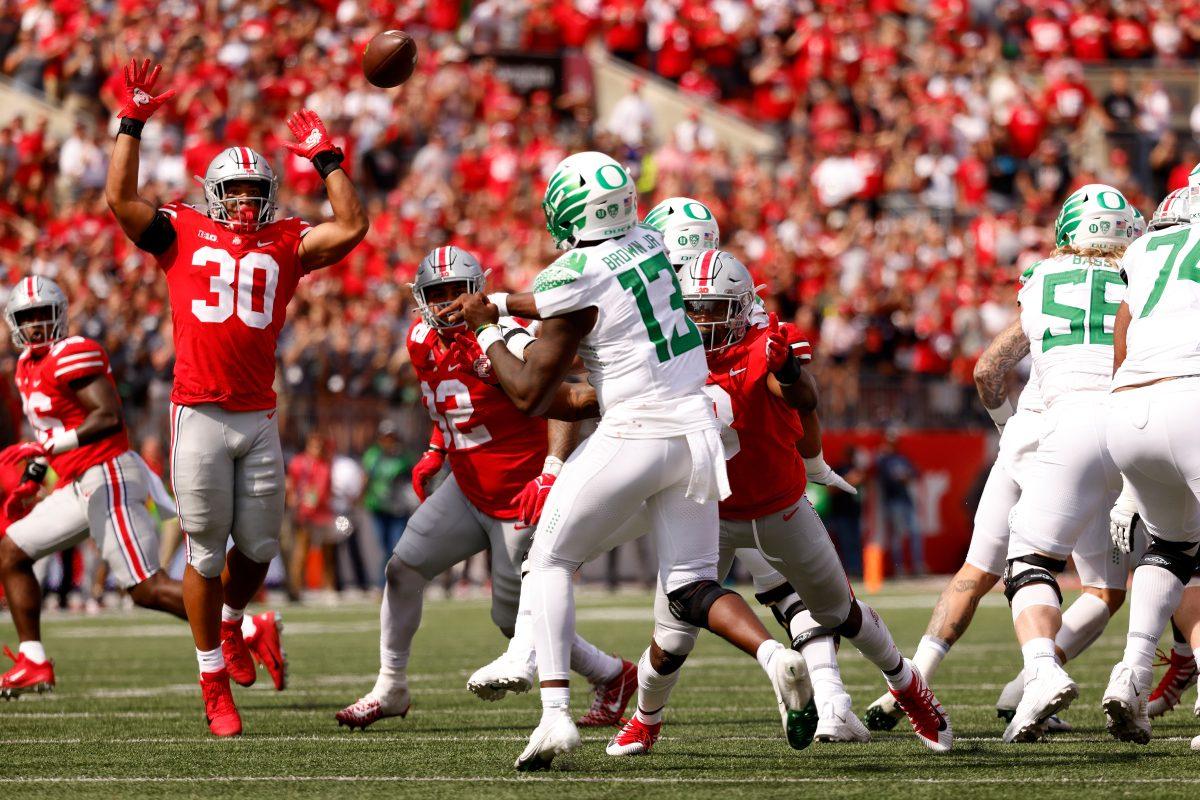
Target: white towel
709, 481
158, 493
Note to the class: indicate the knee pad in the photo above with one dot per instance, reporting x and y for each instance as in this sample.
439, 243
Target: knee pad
205, 559
1177, 558
1032, 569
691, 603
783, 602
677, 641
261, 551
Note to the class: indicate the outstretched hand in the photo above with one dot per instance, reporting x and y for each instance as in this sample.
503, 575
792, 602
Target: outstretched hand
139, 80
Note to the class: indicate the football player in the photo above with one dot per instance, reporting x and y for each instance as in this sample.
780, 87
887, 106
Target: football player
71, 402
501, 470
231, 268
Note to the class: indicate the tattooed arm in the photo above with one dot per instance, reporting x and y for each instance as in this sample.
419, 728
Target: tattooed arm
991, 371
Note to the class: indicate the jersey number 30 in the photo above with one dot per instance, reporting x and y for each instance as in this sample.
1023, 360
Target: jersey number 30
246, 285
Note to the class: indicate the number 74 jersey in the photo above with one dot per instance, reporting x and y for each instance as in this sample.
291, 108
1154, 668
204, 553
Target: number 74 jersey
229, 294
1068, 309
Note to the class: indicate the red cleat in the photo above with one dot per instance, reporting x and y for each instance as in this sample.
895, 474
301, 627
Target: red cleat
219, 710
635, 739
266, 645
372, 708
26, 676
1180, 675
238, 660
930, 721
611, 698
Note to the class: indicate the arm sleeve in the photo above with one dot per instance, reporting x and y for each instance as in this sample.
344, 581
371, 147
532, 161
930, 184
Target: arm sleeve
159, 236
565, 286
516, 336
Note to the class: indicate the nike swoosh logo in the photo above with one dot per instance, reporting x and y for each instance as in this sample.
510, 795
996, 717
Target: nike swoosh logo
263, 244
733, 372
786, 517
16, 676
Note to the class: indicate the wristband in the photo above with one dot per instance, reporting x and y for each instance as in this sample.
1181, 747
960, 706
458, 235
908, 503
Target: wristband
815, 465
488, 335
35, 470
500, 301
433, 448
1002, 414
63, 441
790, 372
327, 161
131, 127
553, 465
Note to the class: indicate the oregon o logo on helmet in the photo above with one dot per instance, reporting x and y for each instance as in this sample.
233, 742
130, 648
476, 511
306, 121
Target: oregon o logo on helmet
705, 214
600, 177
1103, 203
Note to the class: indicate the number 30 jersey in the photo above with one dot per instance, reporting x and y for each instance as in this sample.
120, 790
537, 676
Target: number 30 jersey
644, 356
229, 294
494, 449
1068, 309
1163, 340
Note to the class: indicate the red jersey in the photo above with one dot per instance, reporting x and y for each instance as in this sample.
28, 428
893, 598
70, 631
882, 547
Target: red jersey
766, 472
494, 449
51, 405
229, 294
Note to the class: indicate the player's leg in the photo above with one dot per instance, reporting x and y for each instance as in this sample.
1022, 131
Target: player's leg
1181, 670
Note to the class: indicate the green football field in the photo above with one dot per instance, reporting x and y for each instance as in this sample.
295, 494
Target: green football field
126, 720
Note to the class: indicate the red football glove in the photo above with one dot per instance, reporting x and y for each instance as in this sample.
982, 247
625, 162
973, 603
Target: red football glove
533, 497
16, 453
470, 358
139, 82
310, 132
776, 344
15, 506
801, 347
429, 465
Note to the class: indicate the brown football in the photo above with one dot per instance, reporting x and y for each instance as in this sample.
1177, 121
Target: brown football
389, 59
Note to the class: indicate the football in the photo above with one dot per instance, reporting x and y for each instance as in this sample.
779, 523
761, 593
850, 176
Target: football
389, 59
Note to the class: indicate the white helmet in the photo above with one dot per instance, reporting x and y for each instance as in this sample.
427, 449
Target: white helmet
240, 164
1194, 176
718, 295
687, 226
1173, 210
445, 265
1096, 215
1139, 223
35, 293
589, 197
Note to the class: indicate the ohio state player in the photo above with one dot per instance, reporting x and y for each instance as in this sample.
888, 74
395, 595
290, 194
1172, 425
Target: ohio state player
758, 387
231, 270
71, 403
501, 470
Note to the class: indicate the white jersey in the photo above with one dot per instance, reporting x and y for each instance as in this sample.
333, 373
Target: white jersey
1163, 340
1030, 398
644, 357
1068, 309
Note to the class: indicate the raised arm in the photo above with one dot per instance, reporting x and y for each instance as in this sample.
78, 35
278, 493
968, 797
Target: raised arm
991, 371
133, 213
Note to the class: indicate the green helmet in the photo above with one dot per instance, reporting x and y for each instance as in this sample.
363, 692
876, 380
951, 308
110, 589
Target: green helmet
1096, 215
687, 226
1194, 176
589, 197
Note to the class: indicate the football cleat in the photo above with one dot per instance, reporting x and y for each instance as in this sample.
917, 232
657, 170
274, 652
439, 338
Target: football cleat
1049, 691
793, 692
555, 735
506, 674
838, 723
26, 676
1180, 676
238, 661
636, 738
372, 708
1124, 706
1056, 724
883, 714
1010, 697
929, 720
266, 646
219, 710
611, 698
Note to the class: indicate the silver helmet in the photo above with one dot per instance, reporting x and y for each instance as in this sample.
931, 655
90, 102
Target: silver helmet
687, 226
35, 293
441, 266
1173, 210
718, 295
234, 164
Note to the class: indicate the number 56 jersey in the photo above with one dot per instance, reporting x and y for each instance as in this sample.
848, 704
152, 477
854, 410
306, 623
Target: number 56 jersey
229, 294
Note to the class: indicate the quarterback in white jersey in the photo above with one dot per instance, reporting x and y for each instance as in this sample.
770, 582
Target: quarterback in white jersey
614, 300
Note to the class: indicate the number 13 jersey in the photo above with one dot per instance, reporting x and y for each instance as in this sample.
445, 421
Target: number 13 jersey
229, 293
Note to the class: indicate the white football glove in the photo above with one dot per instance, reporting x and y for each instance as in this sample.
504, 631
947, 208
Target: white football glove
1123, 521
819, 472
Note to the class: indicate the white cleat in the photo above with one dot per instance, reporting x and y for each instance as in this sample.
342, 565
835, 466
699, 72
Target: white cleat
1010, 697
555, 735
793, 691
372, 708
1125, 706
1049, 691
838, 723
493, 681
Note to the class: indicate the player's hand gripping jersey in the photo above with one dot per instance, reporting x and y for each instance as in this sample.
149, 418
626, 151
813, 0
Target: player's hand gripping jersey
51, 405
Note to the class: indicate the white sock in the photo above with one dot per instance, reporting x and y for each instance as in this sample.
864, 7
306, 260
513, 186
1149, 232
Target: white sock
593, 663
653, 690
1153, 599
900, 677
820, 656
210, 660
929, 655
34, 651
399, 618
552, 599
800, 622
1038, 652
231, 614
555, 700
1082, 623
767, 651
248, 626
1183, 649
874, 641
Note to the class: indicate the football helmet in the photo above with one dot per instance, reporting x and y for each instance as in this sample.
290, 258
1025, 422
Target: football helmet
441, 266
718, 294
687, 226
1139, 223
589, 197
31, 294
1096, 215
1173, 210
235, 164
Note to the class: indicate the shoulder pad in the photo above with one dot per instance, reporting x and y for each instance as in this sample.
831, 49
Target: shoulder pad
293, 225
1028, 273
567, 268
418, 333
74, 343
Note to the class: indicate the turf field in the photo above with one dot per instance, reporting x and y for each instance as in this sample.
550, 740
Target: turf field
126, 720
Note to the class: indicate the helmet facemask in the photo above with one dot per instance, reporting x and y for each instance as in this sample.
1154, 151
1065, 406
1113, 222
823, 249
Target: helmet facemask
37, 327
243, 204
436, 296
722, 319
